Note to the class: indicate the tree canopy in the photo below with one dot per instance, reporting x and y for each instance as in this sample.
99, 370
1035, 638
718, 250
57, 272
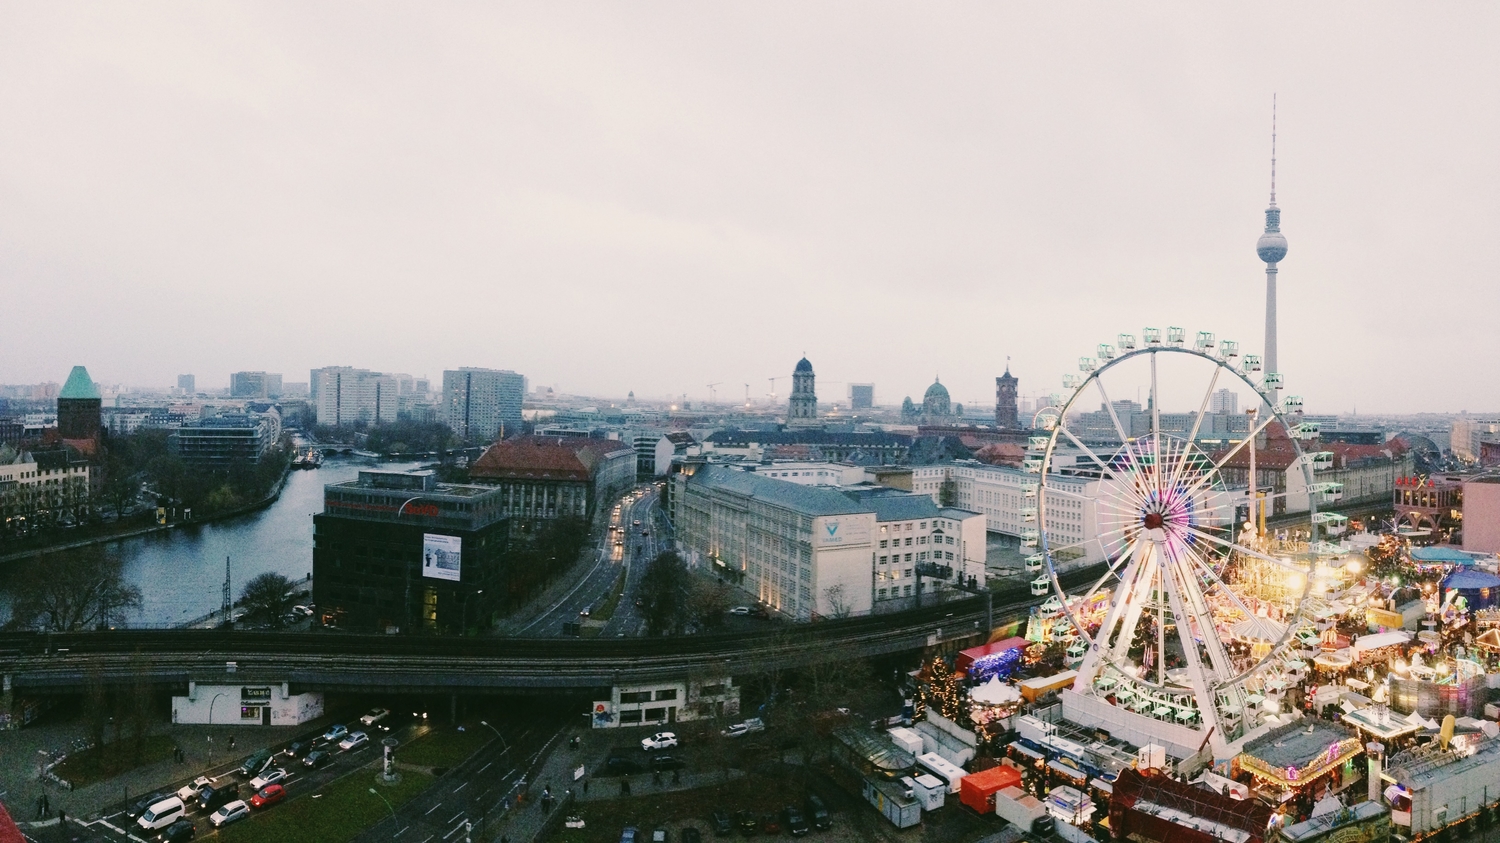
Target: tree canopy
71, 590
267, 597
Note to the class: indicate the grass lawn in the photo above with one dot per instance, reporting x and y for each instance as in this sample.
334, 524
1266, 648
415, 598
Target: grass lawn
112, 759
444, 747
345, 809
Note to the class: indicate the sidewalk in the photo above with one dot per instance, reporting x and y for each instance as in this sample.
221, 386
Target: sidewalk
23, 749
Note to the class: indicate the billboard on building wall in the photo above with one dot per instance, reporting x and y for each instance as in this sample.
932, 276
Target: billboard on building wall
442, 556
842, 530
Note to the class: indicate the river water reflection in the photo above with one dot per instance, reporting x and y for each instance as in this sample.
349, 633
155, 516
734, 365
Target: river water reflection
181, 573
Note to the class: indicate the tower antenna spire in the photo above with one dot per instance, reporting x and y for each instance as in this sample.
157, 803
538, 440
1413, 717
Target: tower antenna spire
1273, 150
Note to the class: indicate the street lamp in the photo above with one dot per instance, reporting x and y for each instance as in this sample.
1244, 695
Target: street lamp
211, 722
386, 801
497, 734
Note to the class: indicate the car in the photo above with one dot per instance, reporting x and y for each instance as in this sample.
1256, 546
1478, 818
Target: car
666, 762
179, 831
296, 748
770, 824
315, 759
660, 740
375, 716
256, 763
621, 765
268, 795
659, 835
574, 822
354, 741
723, 825
215, 797
742, 611
162, 814
818, 813
335, 732
747, 822
637, 522
796, 821
140, 805
739, 730
188, 793
629, 835
268, 777
691, 834
231, 812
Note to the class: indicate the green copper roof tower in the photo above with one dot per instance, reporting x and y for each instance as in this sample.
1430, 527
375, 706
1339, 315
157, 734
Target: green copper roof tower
79, 385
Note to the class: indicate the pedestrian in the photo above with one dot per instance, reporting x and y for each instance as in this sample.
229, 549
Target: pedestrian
231, 741
62, 818
585, 785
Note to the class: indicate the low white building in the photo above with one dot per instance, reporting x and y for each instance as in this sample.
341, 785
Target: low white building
250, 704
665, 703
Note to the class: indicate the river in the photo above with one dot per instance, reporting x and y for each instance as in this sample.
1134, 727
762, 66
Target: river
181, 572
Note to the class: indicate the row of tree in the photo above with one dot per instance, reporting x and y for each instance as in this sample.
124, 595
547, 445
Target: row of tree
144, 457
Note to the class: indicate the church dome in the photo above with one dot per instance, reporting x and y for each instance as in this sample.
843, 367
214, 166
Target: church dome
803, 366
935, 402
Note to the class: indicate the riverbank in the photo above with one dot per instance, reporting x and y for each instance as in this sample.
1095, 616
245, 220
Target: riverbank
137, 532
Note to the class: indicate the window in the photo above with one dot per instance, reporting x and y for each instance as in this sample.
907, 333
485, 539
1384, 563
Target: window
882, 541
880, 594
908, 573
627, 697
633, 716
908, 558
908, 591
249, 712
666, 694
924, 525
908, 541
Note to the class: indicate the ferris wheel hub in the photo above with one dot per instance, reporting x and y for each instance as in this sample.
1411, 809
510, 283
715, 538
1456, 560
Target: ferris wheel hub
1152, 521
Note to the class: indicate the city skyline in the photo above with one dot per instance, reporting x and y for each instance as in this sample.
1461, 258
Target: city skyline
607, 167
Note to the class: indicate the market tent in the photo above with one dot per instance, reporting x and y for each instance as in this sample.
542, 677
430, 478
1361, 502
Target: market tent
966, 658
1489, 639
995, 692
1258, 629
1440, 555
977, 790
1366, 643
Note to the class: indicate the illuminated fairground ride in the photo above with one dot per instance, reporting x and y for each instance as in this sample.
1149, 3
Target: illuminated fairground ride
1170, 650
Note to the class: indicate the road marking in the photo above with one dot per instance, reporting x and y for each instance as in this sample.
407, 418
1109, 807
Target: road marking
456, 829
460, 787
455, 816
429, 837
402, 831
485, 767
433, 808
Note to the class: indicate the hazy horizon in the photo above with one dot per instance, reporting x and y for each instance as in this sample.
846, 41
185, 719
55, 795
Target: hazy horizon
662, 196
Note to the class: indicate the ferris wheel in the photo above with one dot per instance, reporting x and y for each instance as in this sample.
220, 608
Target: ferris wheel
1144, 492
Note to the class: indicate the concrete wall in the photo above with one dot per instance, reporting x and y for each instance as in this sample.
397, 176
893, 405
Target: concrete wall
1482, 515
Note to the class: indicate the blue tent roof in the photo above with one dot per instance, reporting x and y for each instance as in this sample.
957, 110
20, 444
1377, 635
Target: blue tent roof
1441, 554
1471, 579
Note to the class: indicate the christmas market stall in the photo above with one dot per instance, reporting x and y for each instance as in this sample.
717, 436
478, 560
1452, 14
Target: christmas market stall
1302, 761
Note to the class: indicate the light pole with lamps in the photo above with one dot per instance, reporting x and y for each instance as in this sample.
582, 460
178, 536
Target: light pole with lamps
407, 602
211, 722
503, 744
386, 801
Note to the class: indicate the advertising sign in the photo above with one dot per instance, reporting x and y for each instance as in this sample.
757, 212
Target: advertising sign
442, 556
846, 529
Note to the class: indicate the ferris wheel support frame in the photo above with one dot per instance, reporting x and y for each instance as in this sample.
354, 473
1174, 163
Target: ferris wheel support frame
1154, 565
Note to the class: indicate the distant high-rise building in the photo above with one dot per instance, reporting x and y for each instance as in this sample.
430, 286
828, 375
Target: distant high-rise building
803, 409
255, 385
1007, 416
483, 404
861, 396
79, 407
187, 383
1225, 401
343, 395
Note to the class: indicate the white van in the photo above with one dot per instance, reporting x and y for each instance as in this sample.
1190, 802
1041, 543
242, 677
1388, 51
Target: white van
162, 814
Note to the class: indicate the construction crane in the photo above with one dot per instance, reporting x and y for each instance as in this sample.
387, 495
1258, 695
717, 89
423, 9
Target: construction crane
713, 395
773, 386
747, 395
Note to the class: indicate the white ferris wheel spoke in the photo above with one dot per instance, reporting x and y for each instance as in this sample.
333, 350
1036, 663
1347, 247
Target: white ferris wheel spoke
1282, 563
1114, 417
1155, 429
1208, 569
1197, 422
1230, 454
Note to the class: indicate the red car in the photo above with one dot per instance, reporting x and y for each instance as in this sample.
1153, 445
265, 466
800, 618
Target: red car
269, 795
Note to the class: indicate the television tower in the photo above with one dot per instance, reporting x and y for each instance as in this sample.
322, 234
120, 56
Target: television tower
1272, 248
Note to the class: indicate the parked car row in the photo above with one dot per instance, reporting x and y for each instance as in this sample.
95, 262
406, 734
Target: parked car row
793, 819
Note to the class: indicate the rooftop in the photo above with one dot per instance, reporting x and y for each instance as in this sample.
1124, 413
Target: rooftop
79, 385
1428, 763
1296, 744
808, 500
546, 458
893, 504
805, 437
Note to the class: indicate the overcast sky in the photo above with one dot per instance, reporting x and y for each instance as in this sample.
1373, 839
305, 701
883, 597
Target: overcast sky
653, 197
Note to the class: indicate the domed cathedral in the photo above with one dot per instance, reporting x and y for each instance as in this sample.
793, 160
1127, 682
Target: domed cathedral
803, 409
935, 404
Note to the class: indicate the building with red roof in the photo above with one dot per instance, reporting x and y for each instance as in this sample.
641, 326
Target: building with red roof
549, 477
1367, 472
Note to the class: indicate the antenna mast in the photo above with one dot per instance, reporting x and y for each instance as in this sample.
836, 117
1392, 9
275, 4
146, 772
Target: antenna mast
228, 602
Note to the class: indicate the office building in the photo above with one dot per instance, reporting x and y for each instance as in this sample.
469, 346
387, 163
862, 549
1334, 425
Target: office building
817, 551
222, 441
1007, 498
79, 407
1225, 402
482, 405
542, 478
187, 384
861, 396
398, 551
802, 409
262, 385
1467, 434
345, 396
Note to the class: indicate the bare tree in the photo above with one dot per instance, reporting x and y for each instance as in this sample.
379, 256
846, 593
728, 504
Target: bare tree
839, 605
71, 590
268, 596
